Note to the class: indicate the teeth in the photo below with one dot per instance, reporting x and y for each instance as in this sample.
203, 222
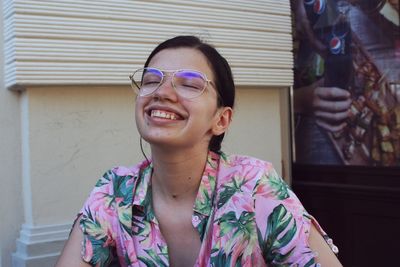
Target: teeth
163, 114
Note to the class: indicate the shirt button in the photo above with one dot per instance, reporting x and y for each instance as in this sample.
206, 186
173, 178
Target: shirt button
196, 218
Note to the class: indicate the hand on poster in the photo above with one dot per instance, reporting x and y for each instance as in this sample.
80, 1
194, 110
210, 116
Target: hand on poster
329, 105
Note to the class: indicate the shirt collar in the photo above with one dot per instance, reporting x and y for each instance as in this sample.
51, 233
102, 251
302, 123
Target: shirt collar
142, 199
204, 200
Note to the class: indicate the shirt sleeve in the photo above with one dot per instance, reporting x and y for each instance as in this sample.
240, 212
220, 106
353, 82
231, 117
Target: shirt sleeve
283, 224
97, 221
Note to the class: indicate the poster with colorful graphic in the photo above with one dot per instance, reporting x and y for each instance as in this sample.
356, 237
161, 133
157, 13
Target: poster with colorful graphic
346, 93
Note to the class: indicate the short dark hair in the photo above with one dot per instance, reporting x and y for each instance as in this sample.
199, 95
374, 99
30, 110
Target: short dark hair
221, 70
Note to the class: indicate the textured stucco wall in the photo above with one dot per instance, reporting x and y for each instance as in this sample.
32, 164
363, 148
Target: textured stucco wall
77, 133
255, 127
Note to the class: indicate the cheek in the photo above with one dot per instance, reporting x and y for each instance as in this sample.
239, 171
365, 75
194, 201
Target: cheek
206, 116
138, 110
139, 104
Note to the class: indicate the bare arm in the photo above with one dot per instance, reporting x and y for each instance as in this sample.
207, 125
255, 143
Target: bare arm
71, 254
325, 255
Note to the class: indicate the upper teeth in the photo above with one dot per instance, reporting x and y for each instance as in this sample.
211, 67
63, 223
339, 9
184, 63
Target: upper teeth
163, 114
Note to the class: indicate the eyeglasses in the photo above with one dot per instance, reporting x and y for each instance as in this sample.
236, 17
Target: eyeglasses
187, 83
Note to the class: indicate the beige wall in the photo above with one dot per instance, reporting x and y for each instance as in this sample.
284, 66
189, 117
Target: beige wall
73, 134
11, 208
256, 127
77, 133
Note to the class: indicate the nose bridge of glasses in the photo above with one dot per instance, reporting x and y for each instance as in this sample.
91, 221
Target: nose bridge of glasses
167, 75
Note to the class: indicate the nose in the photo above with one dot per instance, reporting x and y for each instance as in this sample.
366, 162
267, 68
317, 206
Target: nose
166, 89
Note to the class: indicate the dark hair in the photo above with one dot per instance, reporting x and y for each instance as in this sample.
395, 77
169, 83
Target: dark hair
221, 70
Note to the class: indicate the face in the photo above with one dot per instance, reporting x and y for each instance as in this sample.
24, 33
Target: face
168, 120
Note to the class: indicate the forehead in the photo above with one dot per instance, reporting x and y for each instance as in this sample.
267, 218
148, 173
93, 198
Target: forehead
181, 58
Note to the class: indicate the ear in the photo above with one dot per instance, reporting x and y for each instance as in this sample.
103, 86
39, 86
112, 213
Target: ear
223, 120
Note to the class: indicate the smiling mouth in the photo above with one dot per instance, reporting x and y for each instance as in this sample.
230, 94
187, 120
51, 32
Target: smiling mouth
163, 114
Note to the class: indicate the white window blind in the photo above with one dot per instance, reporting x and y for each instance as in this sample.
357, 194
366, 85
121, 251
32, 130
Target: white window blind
100, 42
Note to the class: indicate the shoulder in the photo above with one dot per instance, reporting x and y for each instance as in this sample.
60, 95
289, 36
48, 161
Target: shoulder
247, 167
106, 213
269, 191
114, 189
118, 174
115, 184
233, 160
255, 180
282, 223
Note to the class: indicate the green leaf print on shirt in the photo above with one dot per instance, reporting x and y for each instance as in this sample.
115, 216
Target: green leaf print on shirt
281, 229
123, 190
278, 185
101, 254
154, 259
141, 222
105, 179
203, 203
229, 190
243, 225
224, 260
241, 231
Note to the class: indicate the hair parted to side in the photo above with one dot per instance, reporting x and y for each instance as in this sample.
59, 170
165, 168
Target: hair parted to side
222, 73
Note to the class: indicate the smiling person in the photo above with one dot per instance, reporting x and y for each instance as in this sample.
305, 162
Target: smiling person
190, 204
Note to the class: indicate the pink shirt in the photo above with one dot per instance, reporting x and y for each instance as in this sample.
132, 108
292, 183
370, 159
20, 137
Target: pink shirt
245, 214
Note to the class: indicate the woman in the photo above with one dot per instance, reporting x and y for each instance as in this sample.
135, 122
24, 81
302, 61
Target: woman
192, 205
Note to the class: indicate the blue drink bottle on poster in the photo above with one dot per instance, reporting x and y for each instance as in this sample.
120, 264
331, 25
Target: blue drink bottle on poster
339, 61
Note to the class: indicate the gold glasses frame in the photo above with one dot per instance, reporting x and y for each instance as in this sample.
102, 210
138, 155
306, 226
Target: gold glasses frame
164, 73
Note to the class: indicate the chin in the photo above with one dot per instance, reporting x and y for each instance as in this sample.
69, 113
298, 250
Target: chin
159, 140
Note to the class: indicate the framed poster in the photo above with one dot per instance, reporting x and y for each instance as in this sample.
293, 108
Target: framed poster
346, 93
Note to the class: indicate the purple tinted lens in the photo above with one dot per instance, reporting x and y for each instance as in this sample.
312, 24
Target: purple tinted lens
189, 83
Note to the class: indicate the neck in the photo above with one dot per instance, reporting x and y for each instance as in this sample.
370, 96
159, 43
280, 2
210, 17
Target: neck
177, 174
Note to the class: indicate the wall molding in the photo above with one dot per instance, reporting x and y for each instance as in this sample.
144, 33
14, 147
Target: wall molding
62, 43
40, 246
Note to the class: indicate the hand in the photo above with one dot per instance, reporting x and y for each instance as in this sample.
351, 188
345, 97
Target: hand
329, 105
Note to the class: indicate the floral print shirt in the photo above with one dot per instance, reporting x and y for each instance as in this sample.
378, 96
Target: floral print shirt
245, 214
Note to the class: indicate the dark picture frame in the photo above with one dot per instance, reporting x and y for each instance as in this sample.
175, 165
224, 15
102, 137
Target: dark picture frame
347, 83
356, 201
